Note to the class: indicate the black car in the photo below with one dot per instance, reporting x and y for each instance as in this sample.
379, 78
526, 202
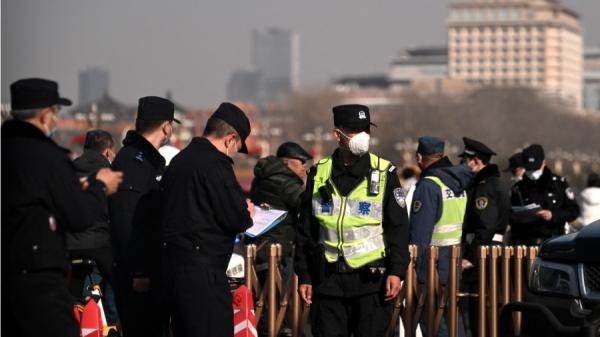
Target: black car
563, 294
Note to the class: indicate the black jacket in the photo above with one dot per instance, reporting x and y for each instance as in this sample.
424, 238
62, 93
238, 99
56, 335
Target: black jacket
553, 193
135, 208
395, 227
41, 200
275, 184
97, 236
205, 207
488, 210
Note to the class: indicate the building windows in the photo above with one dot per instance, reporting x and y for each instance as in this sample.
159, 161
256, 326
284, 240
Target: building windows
503, 14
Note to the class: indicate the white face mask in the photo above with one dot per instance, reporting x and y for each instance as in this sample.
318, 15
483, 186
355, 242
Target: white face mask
515, 178
534, 175
359, 144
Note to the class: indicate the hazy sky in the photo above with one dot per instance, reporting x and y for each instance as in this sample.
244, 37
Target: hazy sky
191, 46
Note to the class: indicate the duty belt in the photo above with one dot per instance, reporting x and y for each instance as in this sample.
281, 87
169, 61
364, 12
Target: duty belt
497, 238
340, 266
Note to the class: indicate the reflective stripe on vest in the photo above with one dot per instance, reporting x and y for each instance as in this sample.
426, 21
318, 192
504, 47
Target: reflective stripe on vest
448, 230
351, 226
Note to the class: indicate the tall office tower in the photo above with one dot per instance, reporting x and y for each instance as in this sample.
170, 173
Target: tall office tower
243, 86
535, 43
275, 56
93, 85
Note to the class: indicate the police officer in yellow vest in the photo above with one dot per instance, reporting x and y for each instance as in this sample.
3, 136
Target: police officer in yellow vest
438, 210
352, 239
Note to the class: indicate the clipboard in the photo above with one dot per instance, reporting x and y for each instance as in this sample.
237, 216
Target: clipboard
264, 220
526, 213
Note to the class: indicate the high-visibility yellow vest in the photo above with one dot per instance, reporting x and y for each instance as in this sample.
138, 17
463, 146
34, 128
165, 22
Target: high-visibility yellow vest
351, 226
448, 230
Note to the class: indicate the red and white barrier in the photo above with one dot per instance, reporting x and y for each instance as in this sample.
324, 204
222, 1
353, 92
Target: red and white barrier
244, 320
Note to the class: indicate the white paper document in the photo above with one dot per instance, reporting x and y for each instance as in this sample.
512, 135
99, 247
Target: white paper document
264, 220
527, 212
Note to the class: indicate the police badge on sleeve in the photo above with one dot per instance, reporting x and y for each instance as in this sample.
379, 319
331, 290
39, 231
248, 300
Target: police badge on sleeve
481, 203
400, 196
417, 206
570, 193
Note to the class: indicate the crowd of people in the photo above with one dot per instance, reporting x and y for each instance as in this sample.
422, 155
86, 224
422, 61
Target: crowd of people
160, 237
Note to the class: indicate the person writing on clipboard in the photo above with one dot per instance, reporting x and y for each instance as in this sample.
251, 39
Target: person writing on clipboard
205, 210
540, 187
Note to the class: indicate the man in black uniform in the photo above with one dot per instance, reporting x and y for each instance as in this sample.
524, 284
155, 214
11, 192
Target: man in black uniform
205, 210
352, 241
551, 192
135, 219
42, 198
486, 217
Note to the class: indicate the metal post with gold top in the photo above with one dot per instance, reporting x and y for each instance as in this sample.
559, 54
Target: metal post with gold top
272, 290
518, 280
531, 256
431, 293
249, 266
296, 307
493, 296
507, 253
409, 328
483, 251
453, 291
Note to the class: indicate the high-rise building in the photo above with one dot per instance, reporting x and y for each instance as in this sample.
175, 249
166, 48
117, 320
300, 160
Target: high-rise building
243, 86
93, 85
591, 79
536, 43
275, 56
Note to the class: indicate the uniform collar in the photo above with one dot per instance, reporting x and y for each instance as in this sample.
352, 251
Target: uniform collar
133, 138
444, 162
486, 172
20, 129
359, 169
205, 142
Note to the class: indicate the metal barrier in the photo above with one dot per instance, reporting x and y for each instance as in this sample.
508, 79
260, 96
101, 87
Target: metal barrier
280, 301
497, 264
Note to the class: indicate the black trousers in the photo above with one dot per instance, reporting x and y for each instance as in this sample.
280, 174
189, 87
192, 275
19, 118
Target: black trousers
140, 314
362, 316
38, 303
199, 297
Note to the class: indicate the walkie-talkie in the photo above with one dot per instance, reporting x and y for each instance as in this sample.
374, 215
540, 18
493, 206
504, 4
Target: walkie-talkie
374, 180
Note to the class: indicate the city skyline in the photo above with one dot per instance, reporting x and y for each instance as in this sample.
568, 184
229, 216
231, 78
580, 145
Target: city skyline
191, 48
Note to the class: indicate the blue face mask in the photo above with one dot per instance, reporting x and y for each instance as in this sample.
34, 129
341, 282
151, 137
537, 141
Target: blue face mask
534, 175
